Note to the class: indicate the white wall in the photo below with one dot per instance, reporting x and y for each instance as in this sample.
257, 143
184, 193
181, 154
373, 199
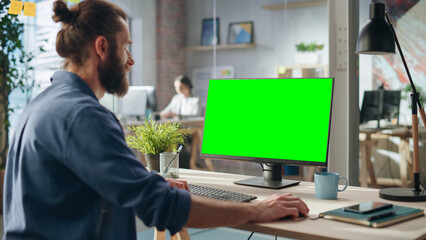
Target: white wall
275, 34
143, 28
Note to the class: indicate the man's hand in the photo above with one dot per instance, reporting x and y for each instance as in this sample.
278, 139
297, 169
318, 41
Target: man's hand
209, 213
182, 184
278, 206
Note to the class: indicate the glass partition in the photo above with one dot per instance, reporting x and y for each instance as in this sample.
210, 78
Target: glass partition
255, 39
386, 152
260, 39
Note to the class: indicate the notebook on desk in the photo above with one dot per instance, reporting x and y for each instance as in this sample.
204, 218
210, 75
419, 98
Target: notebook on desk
391, 216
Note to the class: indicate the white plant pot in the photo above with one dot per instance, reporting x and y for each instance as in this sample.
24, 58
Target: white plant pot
307, 58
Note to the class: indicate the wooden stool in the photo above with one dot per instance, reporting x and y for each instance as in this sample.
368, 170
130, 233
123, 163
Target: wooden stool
182, 235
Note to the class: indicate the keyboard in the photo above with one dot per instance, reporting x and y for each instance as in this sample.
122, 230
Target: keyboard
219, 194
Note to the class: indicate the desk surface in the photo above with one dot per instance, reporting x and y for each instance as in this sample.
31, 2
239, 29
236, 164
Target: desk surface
319, 228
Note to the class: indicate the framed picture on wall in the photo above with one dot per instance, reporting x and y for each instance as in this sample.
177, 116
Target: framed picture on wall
207, 33
240, 32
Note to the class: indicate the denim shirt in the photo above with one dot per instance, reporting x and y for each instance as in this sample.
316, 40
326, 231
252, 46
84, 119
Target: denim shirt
70, 174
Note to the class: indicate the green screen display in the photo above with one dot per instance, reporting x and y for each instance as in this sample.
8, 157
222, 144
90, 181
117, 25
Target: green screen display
282, 120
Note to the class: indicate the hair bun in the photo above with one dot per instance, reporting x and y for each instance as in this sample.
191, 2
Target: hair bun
62, 13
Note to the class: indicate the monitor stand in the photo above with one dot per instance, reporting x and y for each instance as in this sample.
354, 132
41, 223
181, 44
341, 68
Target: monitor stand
271, 178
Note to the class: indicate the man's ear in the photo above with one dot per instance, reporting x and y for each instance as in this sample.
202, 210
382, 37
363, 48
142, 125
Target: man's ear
101, 47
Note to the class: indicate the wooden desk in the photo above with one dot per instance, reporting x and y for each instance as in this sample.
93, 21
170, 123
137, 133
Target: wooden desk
404, 133
319, 228
366, 164
406, 163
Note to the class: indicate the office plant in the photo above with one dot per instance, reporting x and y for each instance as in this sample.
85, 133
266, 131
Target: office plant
153, 138
308, 53
311, 47
14, 69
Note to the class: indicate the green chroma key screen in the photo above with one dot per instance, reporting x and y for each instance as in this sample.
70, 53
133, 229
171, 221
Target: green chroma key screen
268, 120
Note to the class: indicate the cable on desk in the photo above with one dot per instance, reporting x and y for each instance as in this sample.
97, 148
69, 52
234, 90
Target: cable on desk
250, 236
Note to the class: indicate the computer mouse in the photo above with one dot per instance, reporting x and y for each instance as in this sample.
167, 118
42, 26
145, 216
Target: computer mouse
291, 217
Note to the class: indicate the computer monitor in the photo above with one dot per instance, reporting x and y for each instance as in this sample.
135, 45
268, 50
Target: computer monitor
268, 121
391, 103
134, 103
110, 102
151, 96
380, 104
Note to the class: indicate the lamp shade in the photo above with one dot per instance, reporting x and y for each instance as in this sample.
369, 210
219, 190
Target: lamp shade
376, 37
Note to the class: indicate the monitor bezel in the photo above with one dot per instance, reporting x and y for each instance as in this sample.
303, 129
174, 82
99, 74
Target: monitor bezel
272, 160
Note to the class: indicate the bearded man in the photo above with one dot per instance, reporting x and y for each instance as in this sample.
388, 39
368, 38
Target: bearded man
69, 172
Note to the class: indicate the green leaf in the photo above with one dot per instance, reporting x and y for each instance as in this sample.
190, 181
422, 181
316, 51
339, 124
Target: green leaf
311, 47
14, 65
153, 138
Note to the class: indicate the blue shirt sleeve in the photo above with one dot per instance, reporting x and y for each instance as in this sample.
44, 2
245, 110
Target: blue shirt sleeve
97, 152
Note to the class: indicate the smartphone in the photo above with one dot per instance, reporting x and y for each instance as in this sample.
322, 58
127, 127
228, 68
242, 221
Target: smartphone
368, 207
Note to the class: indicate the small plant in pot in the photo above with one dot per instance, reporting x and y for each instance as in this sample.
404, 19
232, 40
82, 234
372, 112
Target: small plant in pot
153, 138
308, 53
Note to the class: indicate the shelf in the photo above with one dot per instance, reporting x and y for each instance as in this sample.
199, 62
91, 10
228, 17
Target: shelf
306, 66
311, 70
220, 47
293, 5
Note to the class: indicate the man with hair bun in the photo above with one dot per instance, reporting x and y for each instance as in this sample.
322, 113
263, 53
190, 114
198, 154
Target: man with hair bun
69, 172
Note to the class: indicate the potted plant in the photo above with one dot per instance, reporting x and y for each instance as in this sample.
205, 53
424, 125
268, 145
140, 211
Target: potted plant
14, 74
308, 53
153, 138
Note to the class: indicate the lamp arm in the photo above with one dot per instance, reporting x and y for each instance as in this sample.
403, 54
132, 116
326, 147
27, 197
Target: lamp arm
415, 101
413, 87
388, 18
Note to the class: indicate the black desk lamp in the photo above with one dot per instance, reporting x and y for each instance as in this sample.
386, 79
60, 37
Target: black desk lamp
378, 37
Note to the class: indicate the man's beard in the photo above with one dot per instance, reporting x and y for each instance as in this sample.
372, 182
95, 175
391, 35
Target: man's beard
112, 75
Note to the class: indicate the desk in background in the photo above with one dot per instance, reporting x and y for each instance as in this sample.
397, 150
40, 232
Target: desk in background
368, 142
319, 228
